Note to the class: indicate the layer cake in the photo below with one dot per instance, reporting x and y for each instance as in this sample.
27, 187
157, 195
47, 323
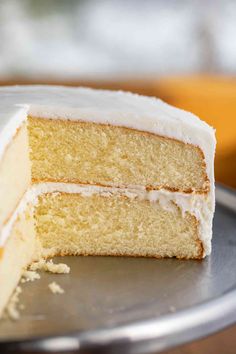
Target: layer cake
93, 172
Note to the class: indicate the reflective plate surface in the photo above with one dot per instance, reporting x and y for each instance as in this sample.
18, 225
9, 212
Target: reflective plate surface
131, 305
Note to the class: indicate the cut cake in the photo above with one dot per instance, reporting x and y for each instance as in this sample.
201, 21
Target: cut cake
93, 172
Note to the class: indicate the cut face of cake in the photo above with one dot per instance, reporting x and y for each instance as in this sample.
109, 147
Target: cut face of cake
95, 154
93, 172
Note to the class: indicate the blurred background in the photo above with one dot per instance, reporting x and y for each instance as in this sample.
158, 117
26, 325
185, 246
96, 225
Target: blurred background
183, 51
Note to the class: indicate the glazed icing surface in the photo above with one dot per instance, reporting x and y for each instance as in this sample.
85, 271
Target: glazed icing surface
196, 204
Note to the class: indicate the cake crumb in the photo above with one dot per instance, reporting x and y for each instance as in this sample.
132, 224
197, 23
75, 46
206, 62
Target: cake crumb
37, 265
49, 266
56, 288
11, 310
60, 268
29, 275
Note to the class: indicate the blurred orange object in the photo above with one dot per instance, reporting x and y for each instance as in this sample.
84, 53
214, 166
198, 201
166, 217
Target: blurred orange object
214, 100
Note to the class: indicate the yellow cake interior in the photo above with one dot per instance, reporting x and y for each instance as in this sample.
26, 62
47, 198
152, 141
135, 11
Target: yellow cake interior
111, 223
89, 153
114, 225
15, 176
18, 253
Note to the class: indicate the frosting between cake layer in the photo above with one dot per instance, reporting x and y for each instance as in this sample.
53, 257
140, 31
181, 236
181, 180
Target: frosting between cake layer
198, 205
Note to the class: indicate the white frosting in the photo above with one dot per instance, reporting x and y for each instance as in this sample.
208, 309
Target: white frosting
114, 108
29, 198
109, 107
198, 205
11, 119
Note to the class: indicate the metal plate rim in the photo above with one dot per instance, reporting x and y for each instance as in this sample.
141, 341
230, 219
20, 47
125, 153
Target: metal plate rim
155, 334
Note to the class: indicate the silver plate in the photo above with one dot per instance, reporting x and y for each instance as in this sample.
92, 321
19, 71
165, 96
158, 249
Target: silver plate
131, 305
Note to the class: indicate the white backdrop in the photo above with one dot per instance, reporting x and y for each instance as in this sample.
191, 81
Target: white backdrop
100, 38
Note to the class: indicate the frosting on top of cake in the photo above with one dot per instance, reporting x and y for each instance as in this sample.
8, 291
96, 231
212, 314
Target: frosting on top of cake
102, 106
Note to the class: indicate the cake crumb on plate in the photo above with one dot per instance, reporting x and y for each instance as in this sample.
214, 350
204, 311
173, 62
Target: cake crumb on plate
11, 311
56, 288
49, 266
29, 275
